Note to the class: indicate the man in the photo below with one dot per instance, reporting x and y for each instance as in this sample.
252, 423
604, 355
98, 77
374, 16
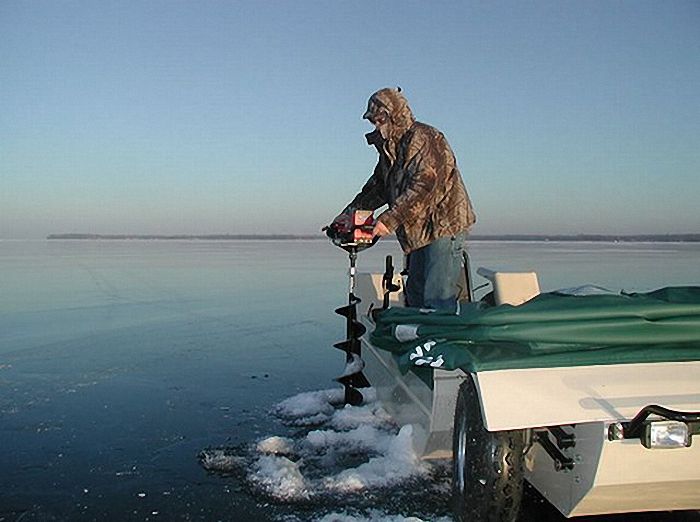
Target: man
429, 209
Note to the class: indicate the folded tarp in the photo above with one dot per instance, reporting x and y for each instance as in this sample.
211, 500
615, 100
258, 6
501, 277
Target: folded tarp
550, 330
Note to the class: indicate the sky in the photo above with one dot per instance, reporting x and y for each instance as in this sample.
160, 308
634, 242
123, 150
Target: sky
212, 117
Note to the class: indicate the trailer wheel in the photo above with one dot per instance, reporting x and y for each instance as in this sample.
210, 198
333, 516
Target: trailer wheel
487, 480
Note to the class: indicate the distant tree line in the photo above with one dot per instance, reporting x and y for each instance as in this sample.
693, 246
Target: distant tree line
476, 237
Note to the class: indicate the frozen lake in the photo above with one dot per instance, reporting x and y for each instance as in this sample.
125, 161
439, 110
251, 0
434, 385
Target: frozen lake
123, 364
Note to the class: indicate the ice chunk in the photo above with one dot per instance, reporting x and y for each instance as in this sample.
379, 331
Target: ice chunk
218, 459
276, 446
309, 407
280, 478
356, 365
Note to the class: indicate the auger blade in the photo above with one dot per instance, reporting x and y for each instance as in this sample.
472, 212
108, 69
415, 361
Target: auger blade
349, 346
344, 345
352, 377
353, 397
358, 330
356, 380
353, 365
346, 311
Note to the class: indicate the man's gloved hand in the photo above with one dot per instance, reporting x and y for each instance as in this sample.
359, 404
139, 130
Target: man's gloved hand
380, 230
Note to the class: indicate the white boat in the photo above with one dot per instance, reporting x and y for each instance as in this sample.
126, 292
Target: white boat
569, 431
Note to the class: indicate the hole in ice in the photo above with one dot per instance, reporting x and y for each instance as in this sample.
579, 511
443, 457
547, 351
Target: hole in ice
334, 452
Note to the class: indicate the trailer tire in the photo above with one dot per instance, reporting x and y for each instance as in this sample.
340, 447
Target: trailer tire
487, 480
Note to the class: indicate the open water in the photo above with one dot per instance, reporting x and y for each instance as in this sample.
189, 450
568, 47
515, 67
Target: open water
191, 380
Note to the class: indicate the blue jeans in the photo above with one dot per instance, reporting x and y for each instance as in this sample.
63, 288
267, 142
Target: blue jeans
433, 273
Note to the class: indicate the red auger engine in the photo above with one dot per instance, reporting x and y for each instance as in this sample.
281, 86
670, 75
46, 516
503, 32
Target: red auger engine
353, 232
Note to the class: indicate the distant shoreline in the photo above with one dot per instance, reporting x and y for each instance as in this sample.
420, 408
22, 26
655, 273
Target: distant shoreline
636, 238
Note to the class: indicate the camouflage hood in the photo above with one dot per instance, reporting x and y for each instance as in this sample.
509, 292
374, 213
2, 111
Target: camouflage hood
388, 109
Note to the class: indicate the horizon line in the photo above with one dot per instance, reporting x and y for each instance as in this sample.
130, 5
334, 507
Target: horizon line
669, 237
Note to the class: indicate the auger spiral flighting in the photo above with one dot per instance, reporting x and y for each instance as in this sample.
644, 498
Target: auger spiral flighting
352, 235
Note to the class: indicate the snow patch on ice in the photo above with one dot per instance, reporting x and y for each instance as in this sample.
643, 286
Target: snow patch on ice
354, 416
362, 438
396, 464
346, 450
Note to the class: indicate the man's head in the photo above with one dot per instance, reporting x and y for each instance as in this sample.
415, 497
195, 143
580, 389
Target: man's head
388, 111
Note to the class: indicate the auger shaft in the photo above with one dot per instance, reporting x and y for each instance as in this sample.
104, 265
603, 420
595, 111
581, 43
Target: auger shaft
352, 233
352, 377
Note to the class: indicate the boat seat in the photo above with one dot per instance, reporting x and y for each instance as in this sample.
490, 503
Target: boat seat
512, 288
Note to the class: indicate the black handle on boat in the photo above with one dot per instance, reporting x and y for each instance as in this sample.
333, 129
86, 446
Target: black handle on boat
468, 277
388, 281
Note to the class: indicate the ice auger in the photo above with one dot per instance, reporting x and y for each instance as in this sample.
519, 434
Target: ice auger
353, 235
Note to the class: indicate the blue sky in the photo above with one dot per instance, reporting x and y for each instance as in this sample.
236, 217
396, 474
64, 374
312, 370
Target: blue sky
245, 117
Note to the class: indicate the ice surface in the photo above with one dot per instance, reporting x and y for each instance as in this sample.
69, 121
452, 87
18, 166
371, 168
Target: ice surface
375, 515
216, 459
96, 336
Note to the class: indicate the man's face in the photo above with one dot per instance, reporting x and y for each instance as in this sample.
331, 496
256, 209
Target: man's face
376, 113
378, 119
378, 116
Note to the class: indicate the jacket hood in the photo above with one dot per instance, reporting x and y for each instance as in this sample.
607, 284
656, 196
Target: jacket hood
393, 102
391, 106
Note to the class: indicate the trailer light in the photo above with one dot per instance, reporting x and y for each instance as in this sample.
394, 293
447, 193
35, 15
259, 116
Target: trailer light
666, 434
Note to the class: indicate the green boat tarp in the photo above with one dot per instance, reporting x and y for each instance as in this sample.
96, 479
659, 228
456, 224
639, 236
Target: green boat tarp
550, 330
